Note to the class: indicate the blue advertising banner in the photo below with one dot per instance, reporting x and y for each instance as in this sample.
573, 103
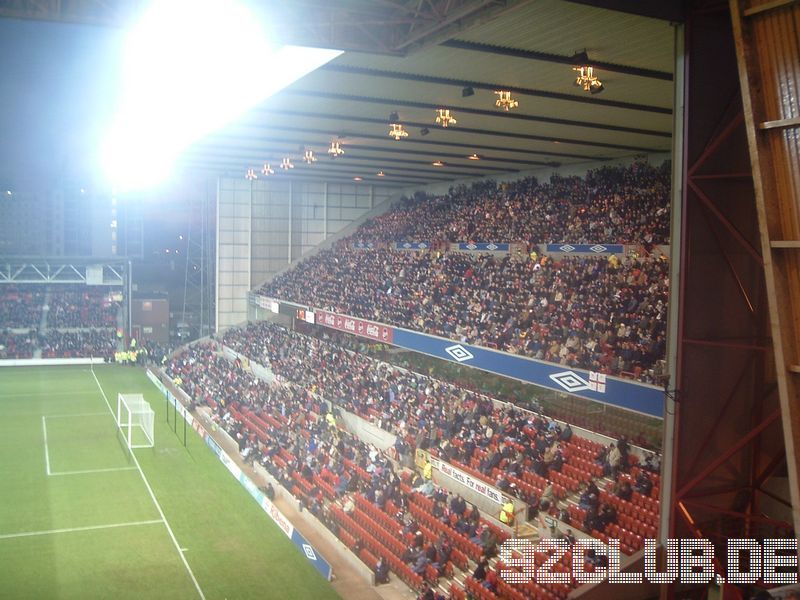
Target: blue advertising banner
484, 247
640, 397
213, 445
411, 245
315, 559
587, 248
615, 391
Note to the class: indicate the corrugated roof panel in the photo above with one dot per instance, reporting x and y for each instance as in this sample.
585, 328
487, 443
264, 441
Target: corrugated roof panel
560, 27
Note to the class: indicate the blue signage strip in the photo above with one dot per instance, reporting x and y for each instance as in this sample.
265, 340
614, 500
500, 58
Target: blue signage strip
615, 391
363, 245
587, 248
631, 395
411, 245
484, 247
213, 445
313, 557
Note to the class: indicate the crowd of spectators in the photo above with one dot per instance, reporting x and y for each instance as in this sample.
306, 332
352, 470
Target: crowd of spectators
300, 445
17, 345
21, 306
99, 343
604, 314
79, 321
610, 205
81, 307
601, 314
304, 449
67, 306
421, 411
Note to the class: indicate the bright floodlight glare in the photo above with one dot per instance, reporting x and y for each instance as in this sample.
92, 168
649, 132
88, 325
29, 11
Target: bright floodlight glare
190, 67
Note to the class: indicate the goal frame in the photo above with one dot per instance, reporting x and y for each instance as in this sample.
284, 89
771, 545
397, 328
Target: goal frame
139, 414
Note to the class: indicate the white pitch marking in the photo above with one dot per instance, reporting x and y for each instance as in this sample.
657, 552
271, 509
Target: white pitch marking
94, 414
45, 393
153, 497
109, 470
46, 451
8, 536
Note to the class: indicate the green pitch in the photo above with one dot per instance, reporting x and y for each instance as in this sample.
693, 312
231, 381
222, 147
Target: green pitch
78, 521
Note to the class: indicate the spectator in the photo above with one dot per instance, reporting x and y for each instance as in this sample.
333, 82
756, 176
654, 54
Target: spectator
381, 571
480, 571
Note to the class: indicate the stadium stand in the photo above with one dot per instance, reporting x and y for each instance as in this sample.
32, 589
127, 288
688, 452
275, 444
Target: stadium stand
600, 313
99, 343
21, 306
622, 205
81, 307
17, 345
356, 491
63, 321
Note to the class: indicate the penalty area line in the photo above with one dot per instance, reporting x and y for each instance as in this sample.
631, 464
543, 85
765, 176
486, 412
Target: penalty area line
8, 536
85, 471
153, 497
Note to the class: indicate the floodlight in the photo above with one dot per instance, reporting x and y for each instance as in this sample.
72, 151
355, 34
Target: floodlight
189, 68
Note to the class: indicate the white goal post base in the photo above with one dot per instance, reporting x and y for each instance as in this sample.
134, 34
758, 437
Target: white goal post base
135, 415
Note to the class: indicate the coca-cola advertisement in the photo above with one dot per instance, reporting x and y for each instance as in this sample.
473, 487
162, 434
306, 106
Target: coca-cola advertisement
367, 329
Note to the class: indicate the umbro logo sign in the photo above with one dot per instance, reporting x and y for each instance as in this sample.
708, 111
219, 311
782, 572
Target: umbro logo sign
459, 353
572, 382
309, 552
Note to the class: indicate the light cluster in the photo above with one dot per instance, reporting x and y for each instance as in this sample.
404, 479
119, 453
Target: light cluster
586, 79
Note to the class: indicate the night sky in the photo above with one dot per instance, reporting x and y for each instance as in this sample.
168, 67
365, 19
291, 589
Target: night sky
58, 87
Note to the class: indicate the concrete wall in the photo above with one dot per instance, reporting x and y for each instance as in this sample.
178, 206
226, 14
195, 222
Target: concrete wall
265, 225
234, 227
366, 431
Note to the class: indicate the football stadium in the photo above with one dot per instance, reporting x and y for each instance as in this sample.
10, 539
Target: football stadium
400, 299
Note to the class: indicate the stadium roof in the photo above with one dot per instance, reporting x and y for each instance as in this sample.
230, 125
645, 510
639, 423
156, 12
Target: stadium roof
526, 50
414, 65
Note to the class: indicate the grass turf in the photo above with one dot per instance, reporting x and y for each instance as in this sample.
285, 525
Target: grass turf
231, 546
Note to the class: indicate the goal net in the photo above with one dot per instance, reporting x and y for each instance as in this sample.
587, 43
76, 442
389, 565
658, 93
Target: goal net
135, 419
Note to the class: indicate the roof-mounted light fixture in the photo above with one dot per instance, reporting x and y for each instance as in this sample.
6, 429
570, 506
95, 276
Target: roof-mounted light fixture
286, 164
397, 132
585, 77
335, 151
444, 118
505, 101
250, 175
267, 170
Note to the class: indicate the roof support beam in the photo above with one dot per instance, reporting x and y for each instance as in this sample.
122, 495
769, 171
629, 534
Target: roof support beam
334, 67
556, 58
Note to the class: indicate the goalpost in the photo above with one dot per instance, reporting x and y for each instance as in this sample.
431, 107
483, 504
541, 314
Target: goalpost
136, 420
